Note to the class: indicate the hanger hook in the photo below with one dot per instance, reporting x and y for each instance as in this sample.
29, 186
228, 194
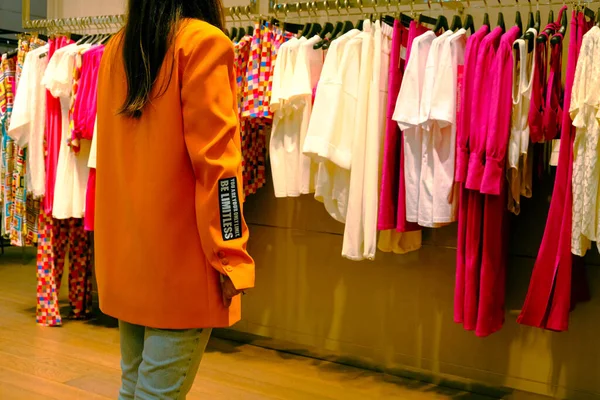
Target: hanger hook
429, 4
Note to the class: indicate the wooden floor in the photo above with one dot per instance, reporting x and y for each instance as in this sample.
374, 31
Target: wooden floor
81, 360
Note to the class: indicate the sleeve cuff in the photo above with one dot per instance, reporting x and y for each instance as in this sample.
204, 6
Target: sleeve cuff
492, 177
462, 164
241, 273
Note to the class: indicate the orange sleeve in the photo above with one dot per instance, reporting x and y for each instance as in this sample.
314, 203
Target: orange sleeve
211, 132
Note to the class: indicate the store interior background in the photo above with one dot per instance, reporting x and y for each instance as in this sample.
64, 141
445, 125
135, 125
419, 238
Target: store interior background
396, 313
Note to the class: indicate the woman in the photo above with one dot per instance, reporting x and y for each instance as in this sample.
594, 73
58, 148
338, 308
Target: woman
171, 255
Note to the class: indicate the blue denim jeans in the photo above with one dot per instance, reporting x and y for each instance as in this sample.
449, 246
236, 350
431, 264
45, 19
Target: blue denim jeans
159, 364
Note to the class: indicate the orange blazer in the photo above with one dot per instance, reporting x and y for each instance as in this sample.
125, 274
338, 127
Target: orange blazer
169, 189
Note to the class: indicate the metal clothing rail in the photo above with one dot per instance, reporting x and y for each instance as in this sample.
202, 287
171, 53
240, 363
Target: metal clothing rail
111, 21
344, 7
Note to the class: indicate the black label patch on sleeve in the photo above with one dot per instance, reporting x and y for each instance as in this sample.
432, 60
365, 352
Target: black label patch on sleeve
229, 207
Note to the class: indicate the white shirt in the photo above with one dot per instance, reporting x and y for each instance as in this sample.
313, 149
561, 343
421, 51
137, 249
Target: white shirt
333, 102
407, 114
284, 147
307, 70
432, 212
28, 120
354, 150
375, 133
442, 116
72, 171
586, 158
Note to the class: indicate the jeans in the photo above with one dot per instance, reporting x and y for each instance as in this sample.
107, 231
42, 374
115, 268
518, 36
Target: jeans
159, 364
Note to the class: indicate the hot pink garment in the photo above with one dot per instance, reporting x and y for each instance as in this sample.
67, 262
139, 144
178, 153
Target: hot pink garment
484, 73
538, 89
462, 159
492, 283
388, 199
90, 201
84, 114
392, 209
550, 298
53, 131
554, 92
481, 107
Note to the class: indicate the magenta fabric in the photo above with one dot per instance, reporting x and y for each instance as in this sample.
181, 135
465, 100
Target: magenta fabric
484, 73
402, 225
388, 199
550, 298
554, 96
53, 131
463, 132
492, 284
84, 114
538, 90
392, 202
90, 201
481, 107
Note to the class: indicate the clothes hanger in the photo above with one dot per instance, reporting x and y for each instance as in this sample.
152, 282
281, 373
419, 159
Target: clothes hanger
469, 23
501, 22
442, 21
405, 19
558, 37
456, 23
519, 21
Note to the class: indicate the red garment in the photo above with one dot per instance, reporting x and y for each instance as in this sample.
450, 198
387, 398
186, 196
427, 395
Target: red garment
86, 104
463, 133
549, 297
554, 96
53, 131
492, 286
388, 199
392, 210
484, 73
538, 89
90, 201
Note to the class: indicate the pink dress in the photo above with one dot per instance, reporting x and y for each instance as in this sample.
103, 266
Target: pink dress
53, 131
84, 114
484, 73
462, 160
392, 209
492, 284
549, 298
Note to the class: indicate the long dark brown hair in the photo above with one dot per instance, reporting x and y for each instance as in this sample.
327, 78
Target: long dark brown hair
148, 35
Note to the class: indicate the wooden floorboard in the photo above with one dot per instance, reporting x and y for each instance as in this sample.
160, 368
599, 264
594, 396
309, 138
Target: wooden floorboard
81, 360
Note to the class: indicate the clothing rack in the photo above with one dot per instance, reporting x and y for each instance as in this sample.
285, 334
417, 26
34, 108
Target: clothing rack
109, 23
360, 7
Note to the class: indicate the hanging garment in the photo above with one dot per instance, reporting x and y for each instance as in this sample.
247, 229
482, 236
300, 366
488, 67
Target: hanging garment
520, 165
333, 109
90, 194
406, 114
462, 161
307, 70
284, 148
28, 123
555, 95
352, 155
57, 238
71, 171
492, 282
436, 205
376, 117
53, 131
485, 71
398, 235
390, 177
550, 297
539, 86
586, 166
